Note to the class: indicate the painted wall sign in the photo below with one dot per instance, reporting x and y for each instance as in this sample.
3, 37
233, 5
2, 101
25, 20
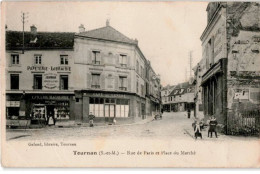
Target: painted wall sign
12, 103
51, 68
50, 97
241, 95
108, 95
50, 81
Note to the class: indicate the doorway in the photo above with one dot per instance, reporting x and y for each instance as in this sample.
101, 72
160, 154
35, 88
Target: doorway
109, 110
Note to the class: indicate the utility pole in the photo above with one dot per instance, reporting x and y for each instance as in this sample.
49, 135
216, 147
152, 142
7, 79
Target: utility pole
24, 17
190, 64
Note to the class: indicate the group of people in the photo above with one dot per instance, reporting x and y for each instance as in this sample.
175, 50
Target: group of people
212, 127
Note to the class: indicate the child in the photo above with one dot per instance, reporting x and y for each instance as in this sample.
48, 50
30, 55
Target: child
197, 131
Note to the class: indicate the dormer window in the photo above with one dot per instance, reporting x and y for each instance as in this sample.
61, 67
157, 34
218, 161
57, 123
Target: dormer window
38, 59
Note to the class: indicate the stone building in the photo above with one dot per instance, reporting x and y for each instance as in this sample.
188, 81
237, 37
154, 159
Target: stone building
182, 97
38, 76
231, 52
165, 92
111, 77
199, 70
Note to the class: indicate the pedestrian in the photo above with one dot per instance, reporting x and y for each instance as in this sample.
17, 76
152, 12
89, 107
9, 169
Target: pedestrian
197, 130
51, 119
114, 120
188, 111
161, 113
91, 119
213, 126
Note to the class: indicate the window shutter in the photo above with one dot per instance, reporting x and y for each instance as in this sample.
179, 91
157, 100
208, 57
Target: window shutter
129, 84
128, 61
101, 58
116, 82
89, 57
89, 80
102, 79
117, 59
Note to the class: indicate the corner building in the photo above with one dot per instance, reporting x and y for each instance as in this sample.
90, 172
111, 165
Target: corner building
38, 77
109, 76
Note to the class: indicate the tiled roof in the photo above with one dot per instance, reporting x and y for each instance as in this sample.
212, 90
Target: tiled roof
182, 88
107, 33
40, 40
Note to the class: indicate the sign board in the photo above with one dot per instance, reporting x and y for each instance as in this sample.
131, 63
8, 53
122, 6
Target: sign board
12, 103
50, 81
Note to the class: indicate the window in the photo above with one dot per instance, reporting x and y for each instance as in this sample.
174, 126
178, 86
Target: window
122, 83
122, 108
122, 60
14, 81
96, 57
96, 107
137, 66
64, 60
15, 59
95, 83
37, 82
64, 82
37, 59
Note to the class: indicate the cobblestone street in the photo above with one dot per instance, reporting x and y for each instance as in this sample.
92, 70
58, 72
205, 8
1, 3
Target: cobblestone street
173, 125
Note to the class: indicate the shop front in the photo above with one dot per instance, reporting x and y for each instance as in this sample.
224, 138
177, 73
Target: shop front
107, 106
37, 108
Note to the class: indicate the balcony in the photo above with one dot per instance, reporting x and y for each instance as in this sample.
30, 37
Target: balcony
122, 88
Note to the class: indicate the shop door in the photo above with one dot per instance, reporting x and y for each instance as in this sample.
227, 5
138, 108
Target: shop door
110, 110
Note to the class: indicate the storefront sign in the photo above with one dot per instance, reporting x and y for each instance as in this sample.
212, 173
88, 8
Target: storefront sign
50, 81
108, 95
51, 68
50, 97
12, 103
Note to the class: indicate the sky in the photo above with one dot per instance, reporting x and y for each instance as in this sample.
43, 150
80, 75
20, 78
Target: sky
166, 31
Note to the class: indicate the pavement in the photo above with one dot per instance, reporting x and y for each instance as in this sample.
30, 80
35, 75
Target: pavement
172, 126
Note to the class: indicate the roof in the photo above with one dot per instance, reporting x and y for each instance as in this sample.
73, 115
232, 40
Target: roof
40, 40
107, 33
182, 88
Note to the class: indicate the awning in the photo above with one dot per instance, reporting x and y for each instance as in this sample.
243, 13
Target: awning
214, 70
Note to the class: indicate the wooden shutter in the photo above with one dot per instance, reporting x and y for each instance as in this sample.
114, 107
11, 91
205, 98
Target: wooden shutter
128, 83
128, 61
89, 57
89, 80
117, 59
102, 81
116, 82
101, 57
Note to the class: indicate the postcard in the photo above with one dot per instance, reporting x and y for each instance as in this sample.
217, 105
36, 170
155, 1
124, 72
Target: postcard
130, 84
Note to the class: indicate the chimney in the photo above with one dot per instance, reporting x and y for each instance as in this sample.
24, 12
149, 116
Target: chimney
107, 23
33, 30
81, 28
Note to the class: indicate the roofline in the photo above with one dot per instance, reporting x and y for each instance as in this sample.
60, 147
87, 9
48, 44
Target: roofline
94, 38
36, 49
211, 22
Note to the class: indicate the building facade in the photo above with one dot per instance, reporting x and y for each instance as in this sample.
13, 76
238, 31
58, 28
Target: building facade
182, 97
38, 76
165, 92
110, 69
231, 51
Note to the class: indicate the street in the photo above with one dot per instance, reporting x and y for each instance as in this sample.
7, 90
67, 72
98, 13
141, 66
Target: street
173, 126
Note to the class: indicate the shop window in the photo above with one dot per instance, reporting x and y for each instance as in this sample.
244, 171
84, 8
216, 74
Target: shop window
12, 111
96, 107
15, 59
64, 82
64, 60
37, 59
14, 81
95, 83
122, 83
96, 57
122, 108
122, 60
37, 82
77, 100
